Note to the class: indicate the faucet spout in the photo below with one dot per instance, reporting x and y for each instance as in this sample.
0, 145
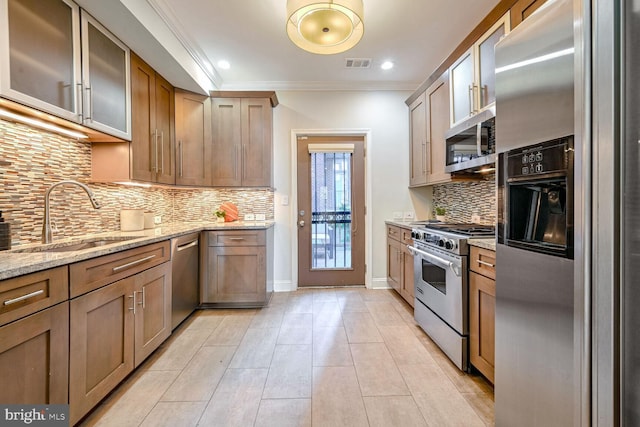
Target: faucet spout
46, 224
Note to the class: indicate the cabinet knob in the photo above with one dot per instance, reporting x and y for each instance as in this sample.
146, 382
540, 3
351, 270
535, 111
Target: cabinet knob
301, 223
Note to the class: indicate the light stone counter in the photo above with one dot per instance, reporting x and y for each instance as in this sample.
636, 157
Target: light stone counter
16, 262
484, 243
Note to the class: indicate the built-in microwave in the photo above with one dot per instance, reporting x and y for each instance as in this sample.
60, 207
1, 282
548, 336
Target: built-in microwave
471, 144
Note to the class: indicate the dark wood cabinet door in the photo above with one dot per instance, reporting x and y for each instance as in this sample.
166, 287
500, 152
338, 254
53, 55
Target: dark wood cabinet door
482, 305
256, 122
143, 121
227, 142
153, 310
522, 9
193, 139
236, 274
34, 354
394, 268
164, 131
101, 345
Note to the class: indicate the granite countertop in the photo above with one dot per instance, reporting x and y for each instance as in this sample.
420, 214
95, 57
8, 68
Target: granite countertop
15, 262
485, 243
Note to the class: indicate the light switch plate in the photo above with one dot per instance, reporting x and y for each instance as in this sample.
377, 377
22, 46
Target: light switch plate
397, 215
285, 200
475, 218
157, 219
249, 217
409, 215
260, 217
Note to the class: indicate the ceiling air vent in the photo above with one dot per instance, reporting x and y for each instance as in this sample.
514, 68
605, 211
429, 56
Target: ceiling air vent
357, 62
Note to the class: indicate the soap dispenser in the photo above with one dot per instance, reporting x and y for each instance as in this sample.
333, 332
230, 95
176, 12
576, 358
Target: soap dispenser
5, 234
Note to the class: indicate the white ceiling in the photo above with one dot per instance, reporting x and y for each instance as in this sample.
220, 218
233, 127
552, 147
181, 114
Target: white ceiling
417, 35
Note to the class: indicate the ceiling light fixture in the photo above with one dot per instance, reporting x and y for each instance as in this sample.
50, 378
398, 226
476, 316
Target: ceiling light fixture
387, 65
224, 65
325, 27
40, 124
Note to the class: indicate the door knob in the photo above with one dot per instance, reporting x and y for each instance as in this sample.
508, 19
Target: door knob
301, 223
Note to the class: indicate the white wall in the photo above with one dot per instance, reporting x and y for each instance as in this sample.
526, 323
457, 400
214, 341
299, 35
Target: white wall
384, 114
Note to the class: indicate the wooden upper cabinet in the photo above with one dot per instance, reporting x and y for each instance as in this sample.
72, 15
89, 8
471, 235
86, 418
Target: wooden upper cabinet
437, 97
472, 76
522, 9
418, 141
193, 138
242, 142
152, 142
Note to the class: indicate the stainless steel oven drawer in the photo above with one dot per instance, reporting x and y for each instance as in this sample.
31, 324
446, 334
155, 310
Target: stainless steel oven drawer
454, 345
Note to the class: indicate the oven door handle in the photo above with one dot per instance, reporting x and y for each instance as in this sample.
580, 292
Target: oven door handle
436, 260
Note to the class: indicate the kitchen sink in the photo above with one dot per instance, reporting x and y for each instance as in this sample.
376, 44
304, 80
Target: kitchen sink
76, 245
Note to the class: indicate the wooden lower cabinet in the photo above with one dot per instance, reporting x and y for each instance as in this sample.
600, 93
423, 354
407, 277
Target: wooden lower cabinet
407, 290
34, 354
400, 262
394, 270
482, 306
114, 329
237, 267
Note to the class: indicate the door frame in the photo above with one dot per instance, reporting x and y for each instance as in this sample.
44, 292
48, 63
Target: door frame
293, 223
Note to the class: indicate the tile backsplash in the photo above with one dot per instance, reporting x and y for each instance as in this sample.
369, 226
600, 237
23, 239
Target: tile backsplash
462, 200
39, 159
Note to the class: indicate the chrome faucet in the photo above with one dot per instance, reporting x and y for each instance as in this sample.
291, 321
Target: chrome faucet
46, 225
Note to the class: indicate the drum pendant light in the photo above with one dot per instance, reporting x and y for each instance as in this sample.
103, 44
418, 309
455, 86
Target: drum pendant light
325, 27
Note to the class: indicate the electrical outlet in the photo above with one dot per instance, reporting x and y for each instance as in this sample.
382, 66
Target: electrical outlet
409, 215
475, 218
397, 215
285, 200
249, 217
260, 217
157, 219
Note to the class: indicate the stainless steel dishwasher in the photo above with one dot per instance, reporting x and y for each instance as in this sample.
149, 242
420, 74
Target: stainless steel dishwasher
184, 277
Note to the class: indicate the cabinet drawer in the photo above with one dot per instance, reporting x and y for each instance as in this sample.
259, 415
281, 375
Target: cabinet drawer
405, 236
483, 261
24, 295
237, 238
393, 232
91, 274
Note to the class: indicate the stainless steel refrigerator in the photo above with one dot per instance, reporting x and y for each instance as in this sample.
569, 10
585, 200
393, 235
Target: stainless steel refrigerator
534, 350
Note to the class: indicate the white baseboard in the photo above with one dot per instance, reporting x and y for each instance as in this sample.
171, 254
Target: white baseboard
380, 283
284, 286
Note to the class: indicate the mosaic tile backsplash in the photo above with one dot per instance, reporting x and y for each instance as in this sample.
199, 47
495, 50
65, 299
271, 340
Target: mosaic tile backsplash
462, 200
38, 159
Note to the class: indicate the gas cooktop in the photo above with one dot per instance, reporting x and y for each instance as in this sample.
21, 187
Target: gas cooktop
464, 229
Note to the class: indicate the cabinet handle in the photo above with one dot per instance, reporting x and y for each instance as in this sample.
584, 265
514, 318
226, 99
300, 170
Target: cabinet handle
187, 245
488, 264
235, 161
142, 303
90, 103
79, 101
133, 308
161, 152
424, 157
23, 297
236, 238
181, 155
154, 152
132, 263
471, 103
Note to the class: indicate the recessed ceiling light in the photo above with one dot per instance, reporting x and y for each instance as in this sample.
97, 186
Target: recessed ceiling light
387, 65
224, 65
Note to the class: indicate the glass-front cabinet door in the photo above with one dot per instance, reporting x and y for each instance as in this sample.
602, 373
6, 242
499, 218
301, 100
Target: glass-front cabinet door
58, 59
485, 52
41, 55
462, 87
106, 80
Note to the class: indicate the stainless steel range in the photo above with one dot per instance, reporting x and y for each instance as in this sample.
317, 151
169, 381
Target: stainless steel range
441, 255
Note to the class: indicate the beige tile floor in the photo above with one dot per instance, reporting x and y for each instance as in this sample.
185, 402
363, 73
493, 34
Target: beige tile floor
314, 357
